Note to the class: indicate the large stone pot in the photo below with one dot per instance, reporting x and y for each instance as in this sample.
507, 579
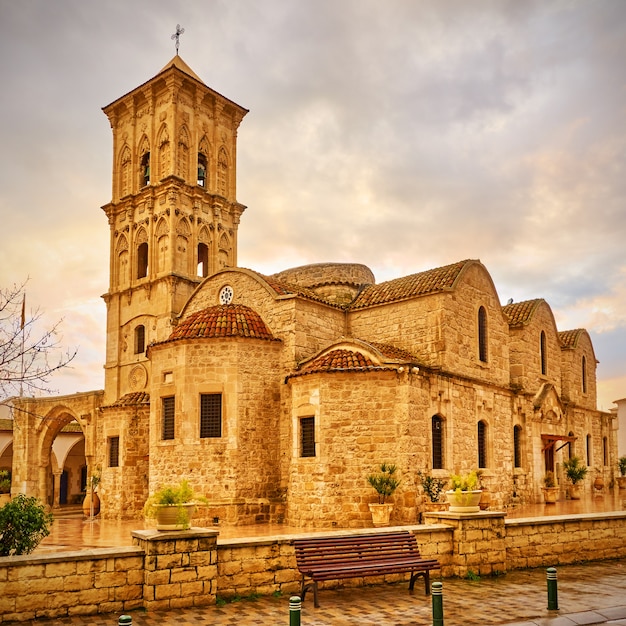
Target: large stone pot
464, 501
550, 494
575, 491
174, 516
621, 482
381, 514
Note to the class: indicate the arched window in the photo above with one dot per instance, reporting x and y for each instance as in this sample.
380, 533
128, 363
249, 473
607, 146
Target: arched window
145, 169
605, 451
142, 260
482, 444
203, 260
202, 170
543, 354
437, 435
517, 446
584, 373
482, 334
589, 450
140, 339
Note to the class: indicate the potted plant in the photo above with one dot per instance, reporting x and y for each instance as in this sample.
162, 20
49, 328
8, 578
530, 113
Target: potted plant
550, 488
5, 487
621, 479
433, 490
91, 503
385, 483
575, 472
173, 507
464, 493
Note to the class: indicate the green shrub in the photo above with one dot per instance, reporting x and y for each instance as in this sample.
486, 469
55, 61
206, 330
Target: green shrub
23, 524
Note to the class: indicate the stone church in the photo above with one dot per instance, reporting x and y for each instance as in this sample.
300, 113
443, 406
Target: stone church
276, 396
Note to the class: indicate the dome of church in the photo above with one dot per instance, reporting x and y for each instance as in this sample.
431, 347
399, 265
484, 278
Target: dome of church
225, 320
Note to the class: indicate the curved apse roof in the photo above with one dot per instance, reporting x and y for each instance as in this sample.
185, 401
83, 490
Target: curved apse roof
224, 320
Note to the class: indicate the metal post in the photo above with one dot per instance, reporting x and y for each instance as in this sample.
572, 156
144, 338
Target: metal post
295, 608
437, 595
125, 620
553, 601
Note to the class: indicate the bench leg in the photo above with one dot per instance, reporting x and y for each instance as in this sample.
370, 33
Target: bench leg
305, 587
415, 576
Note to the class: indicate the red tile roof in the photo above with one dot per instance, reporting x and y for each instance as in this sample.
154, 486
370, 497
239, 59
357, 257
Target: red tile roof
428, 282
225, 320
341, 360
569, 338
520, 313
391, 352
133, 398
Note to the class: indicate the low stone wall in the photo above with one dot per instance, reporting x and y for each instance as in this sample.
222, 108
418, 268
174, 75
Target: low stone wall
192, 568
108, 580
563, 539
264, 566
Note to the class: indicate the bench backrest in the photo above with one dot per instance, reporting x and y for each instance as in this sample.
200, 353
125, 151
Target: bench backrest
361, 548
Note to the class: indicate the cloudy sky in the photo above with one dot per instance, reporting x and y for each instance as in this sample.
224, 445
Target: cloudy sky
403, 134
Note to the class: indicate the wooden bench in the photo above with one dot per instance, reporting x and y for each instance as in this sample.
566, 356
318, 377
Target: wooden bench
333, 558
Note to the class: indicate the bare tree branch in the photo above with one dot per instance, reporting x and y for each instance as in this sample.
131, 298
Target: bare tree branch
28, 356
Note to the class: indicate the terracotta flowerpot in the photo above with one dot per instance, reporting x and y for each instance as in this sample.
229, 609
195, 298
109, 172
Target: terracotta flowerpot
464, 501
5, 498
87, 504
598, 483
380, 514
621, 482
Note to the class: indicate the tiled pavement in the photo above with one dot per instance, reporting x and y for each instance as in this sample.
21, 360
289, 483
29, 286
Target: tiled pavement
591, 593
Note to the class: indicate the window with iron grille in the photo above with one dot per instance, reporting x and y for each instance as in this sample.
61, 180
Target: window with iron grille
307, 436
482, 334
167, 411
437, 433
114, 451
482, 444
210, 415
517, 445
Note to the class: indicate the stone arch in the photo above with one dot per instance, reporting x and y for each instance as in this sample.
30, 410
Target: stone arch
125, 170
121, 256
56, 447
144, 161
163, 144
223, 172
183, 153
224, 259
162, 238
183, 236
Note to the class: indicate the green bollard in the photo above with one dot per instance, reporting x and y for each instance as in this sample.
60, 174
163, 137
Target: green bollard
295, 609
553, 601
437, 595
125, 620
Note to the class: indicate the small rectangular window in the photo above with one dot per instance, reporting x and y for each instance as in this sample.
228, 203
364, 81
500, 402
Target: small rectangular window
307, 436
114, 451
210, 415
167, 409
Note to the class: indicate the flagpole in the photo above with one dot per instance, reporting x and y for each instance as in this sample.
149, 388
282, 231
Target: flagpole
23, 322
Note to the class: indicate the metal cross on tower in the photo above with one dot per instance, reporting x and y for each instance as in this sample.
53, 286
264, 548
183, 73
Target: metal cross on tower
177, 34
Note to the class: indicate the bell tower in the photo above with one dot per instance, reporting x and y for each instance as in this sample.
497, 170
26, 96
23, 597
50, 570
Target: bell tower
173, 216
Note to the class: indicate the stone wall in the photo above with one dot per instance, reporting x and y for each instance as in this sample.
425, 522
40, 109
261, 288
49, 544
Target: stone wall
193, 568
71, 583
564, 539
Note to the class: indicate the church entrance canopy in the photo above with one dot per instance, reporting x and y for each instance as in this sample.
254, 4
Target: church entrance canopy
549, 447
